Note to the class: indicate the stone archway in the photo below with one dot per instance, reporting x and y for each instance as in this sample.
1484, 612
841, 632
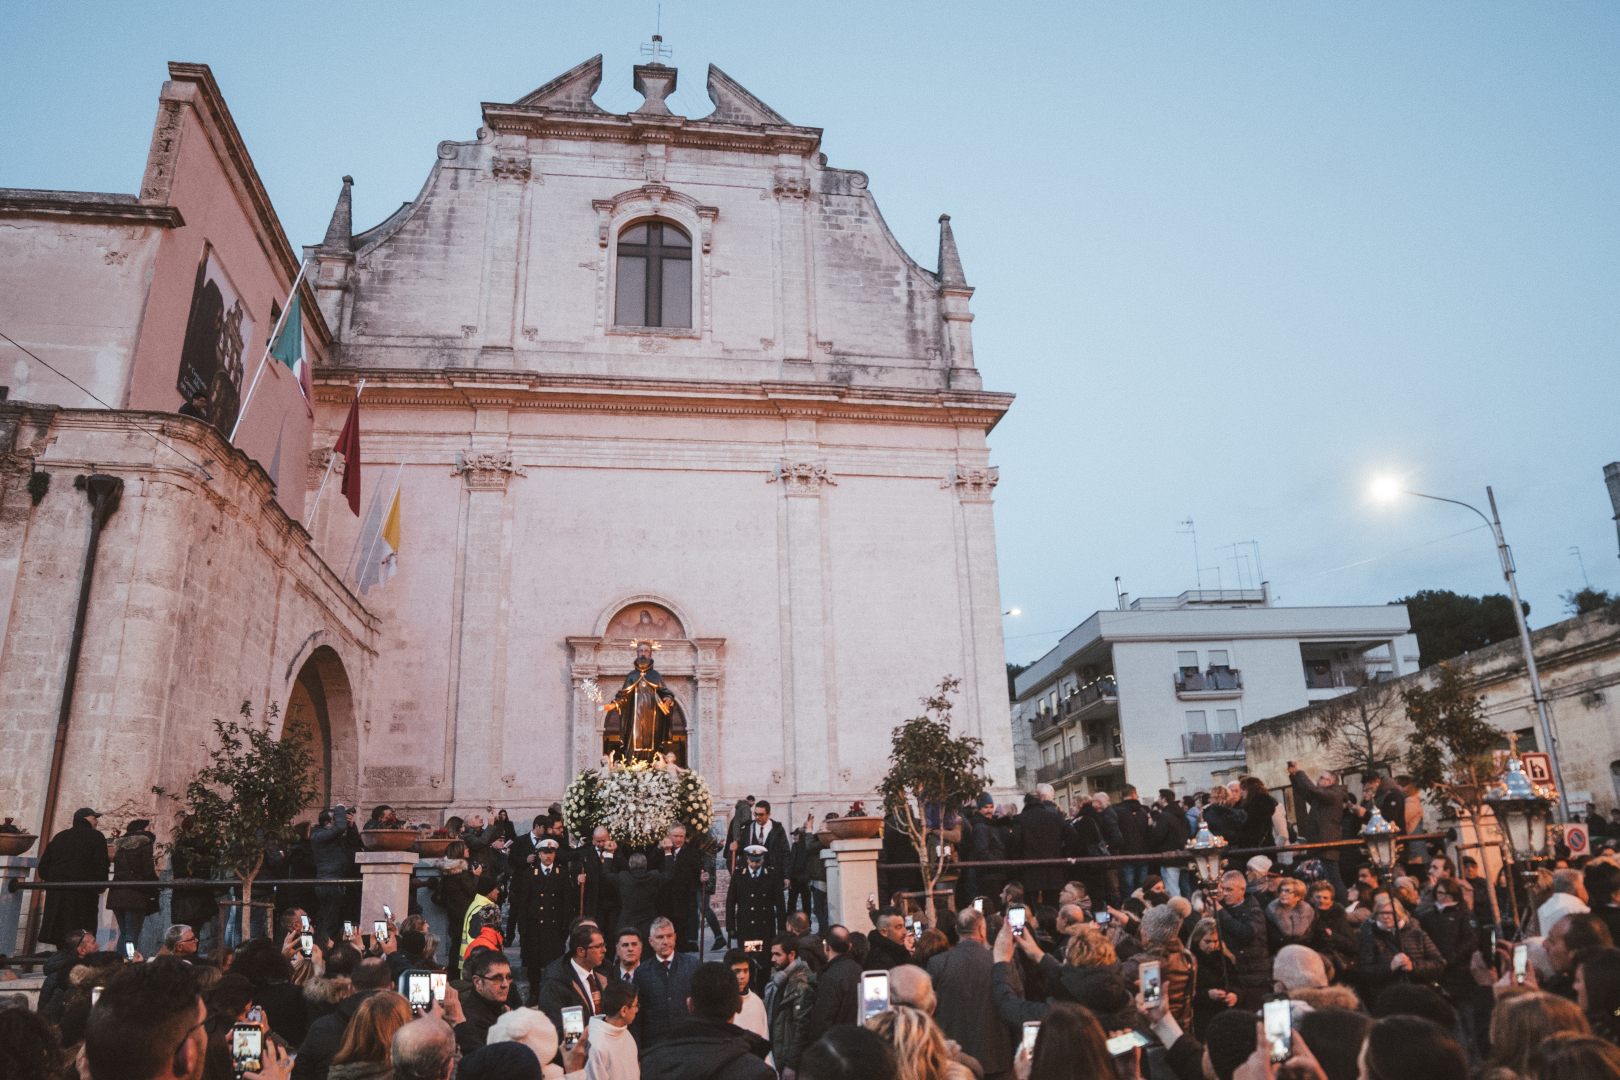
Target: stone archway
691, 667
321, 704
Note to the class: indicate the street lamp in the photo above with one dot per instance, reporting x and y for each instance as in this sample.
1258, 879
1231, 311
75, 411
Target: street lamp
1521, 811
1206, 849
1011, 611
1387, 488
1380, 837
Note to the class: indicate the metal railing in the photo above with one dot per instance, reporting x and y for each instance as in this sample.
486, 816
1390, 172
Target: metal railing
1212, 742
18, 885
1174, 857
1081, 759
1192, 682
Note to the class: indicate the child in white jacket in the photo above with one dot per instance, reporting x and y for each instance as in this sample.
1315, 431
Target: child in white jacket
613, 1051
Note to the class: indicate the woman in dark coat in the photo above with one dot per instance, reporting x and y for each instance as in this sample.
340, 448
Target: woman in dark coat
1394, 948
1217, 976
1257, 806
133, 861
78, 853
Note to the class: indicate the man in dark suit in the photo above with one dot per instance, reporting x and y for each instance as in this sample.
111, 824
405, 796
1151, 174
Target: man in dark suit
595, 865
663, 982
683, 863
640, 891
755, 910
1040, 832
966, 1010
771, 836
548, 900
579, 983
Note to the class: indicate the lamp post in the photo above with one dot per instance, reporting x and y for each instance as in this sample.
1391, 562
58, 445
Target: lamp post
1206, 851
1380, 837
1521, 818
1506, 555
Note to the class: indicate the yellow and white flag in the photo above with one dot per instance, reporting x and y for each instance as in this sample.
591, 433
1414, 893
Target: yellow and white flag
380, 558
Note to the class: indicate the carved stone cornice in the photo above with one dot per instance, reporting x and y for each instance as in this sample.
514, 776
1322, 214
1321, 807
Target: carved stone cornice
972, 484
510, 167
801, 477
542, 123
486, 471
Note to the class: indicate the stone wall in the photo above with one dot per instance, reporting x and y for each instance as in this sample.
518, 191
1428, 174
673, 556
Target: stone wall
1579, 663
206, 594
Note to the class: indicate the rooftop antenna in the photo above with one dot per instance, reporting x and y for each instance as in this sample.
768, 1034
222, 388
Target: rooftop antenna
1199, 567
1575, 551
655, 50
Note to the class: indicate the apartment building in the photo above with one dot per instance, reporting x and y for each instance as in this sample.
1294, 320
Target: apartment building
1157, 693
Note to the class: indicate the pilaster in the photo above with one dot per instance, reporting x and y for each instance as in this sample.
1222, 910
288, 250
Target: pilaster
385, 878
808, 721
851, 877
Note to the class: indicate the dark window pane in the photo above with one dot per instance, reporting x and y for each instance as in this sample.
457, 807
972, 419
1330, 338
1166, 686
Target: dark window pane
637, 235
677, 294
673, 237
632, 297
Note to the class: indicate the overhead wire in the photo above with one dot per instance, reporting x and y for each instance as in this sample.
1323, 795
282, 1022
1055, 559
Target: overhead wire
201, 467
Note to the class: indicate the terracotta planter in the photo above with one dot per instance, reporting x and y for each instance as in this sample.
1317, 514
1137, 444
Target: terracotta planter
16, 843
433, 849
389, 839
825, 836
855, 828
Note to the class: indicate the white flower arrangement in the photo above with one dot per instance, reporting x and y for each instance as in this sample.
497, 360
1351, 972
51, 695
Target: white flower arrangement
638, 802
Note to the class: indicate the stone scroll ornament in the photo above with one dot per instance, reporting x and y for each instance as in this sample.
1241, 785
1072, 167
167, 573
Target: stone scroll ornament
638, 801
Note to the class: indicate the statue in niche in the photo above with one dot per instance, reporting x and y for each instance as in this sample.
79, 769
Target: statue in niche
644, 714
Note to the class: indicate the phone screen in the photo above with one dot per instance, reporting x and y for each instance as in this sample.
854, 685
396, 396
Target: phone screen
573, 1018
874, 994
1015, 919
417, 989
1521, 955
438, 980
305, 920
1149, 976
387, 912
379, 930
1121, 1044
348, 928
1279, 1024
1032, 1030
247, 1048
753, 946
306, 944
978, 904
1103, 918
129, 950
95, 995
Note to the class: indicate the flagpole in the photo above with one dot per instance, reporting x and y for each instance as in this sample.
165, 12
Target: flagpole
331, 461
268, 345
382, 520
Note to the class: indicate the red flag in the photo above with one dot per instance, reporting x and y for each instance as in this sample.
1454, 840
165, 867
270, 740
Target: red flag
348, 445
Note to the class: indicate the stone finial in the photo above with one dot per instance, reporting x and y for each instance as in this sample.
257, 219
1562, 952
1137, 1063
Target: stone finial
340, 232
654, 82
950, 263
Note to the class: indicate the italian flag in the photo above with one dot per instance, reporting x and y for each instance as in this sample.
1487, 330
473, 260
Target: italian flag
289, 349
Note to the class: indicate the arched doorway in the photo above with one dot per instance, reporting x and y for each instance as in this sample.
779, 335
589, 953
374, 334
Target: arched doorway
321, 706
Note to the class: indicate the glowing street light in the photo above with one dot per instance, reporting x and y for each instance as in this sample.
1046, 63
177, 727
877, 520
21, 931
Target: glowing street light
1387, 489
1011, 611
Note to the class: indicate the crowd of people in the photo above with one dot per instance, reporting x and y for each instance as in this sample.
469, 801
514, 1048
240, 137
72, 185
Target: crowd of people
1044, 972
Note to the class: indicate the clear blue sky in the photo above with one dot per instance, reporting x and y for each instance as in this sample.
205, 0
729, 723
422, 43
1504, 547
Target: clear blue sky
1235, 259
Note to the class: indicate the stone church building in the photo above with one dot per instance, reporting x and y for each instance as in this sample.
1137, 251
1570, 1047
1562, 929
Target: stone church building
647, 376
634, 378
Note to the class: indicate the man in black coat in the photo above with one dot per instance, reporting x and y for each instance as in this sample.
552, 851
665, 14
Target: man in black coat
596, 867
77, 853
1326, 800
1040, 832
640, 892
683, 863
1135, 823
988, 846
771, 836
754, 907
547, 905
838, 989
578, 982
891, 943
966, 1011
706, 1043
521, 859
1170, 833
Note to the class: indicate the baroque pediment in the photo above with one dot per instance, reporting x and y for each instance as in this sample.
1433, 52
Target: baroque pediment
569, 92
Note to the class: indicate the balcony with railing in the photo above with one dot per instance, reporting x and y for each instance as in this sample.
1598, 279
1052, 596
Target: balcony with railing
1212, 742
1091, 696
1082, 761
1216, 682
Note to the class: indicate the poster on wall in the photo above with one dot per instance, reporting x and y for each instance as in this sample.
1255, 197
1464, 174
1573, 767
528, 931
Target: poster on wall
219, 335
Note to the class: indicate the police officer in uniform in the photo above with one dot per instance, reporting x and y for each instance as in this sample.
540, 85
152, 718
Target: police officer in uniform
547, 901
754, 907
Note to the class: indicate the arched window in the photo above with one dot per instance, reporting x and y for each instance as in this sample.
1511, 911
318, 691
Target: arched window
655, 276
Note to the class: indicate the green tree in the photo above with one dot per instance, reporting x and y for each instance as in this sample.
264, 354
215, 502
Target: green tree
1580, 602
931, 772
1451, 751
1013, 671
245, 798
1448, 624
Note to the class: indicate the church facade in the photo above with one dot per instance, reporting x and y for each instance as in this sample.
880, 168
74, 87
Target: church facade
650, 378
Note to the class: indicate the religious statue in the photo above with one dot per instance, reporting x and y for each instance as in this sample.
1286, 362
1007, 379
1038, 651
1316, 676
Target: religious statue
643, 705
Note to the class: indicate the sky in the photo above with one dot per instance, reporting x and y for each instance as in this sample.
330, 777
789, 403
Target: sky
1236, 260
